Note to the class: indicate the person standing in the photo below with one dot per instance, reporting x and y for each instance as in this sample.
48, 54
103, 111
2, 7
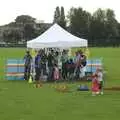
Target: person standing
95, 85
64, 60
56, 73
50, 65
38, 69
100, 79
27, 64
77, 65
43, 63
56, 58
83, 59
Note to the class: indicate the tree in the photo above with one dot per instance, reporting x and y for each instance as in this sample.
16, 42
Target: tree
62, 21
23, 19
57, 15
79, 21
29, 31
103, 28
111, 23
118, 38
99, 15
97, 28
112, 29
12, 36
27, 24
6, 36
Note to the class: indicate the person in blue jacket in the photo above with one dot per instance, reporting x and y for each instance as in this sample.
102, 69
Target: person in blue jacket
27, 64
38, 68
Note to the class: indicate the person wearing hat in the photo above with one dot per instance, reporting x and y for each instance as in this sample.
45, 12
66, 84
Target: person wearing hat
27, 64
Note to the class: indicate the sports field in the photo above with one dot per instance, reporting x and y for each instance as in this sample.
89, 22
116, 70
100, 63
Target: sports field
21, 101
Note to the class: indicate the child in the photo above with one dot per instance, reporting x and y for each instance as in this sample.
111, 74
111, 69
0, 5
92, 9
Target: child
100, 80
56, 74
95, 85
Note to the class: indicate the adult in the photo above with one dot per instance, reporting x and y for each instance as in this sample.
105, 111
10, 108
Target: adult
64, 60
27, 64
77, 64
43, 62
50, 64
56, 57
83, 59
78, 58
58, 62
37, 68
83, 65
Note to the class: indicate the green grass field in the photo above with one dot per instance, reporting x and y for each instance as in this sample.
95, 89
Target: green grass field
21, 101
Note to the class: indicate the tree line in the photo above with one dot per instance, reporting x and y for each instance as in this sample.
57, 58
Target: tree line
100, 28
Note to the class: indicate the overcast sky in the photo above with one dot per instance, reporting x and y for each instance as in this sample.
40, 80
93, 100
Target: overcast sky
44, 9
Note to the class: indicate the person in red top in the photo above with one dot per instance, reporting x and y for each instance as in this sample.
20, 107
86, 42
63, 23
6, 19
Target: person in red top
95, 85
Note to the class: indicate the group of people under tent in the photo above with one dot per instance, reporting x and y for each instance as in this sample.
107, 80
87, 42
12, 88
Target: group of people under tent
58, 66
55, 66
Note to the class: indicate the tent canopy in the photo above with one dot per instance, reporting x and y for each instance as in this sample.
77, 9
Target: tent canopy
56, 37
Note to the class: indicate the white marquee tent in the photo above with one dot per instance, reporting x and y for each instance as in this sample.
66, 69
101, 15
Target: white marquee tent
56, 37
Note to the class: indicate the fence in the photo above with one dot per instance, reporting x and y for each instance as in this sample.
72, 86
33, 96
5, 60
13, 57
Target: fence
2, 68
13, 69
13, 45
